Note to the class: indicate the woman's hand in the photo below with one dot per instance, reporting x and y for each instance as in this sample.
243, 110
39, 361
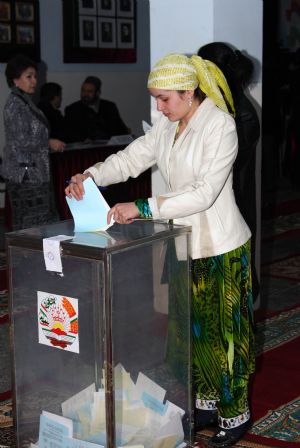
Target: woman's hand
56, 145
75, 188
123, 213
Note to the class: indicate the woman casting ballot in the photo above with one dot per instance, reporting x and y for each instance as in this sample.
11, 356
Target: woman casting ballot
194, 144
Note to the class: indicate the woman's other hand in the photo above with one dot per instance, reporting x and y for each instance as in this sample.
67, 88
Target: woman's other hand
75, 188
56, 145
123, 213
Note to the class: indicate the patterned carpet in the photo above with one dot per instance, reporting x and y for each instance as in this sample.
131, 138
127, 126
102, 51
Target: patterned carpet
277, 330
281, 423
286, 268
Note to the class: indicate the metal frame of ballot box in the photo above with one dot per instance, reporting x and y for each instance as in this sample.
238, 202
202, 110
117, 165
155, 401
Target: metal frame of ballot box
103, 255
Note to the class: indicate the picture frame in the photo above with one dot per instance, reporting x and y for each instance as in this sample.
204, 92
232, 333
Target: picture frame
25, 34
24, 12
125, 8
5, 34
19, 29
5, 11
87, 7
125, 33
106, 8
88, 31
106, 32
106, 46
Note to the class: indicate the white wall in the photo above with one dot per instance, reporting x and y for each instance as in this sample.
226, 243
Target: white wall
240, 25
179, 26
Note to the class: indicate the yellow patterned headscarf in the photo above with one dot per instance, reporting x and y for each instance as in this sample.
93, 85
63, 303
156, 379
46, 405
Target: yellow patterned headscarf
178, 72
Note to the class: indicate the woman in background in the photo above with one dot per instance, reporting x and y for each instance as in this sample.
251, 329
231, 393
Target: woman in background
26, 165
194, 143
238, 71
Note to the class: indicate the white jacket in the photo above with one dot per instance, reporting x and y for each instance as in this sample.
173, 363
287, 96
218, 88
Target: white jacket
198, 171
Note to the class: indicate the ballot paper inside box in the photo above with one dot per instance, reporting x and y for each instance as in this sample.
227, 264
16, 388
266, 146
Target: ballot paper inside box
104, 344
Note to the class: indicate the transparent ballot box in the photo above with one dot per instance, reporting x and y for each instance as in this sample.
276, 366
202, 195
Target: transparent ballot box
101, 336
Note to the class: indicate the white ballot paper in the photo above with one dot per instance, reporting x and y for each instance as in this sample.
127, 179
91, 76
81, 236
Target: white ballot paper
53, 429
70, 406
143, 418
90, 213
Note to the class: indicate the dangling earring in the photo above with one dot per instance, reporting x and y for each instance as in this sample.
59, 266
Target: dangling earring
190, 102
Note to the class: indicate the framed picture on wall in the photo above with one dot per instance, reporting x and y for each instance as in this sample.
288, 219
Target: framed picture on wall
107, 33
5, 11
25, 35
87, 7
125, 8
125, 33
19, 29
106, 7
24, 12
88, 31
5, 34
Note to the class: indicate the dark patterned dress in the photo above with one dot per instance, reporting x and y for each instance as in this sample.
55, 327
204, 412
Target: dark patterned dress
25, 165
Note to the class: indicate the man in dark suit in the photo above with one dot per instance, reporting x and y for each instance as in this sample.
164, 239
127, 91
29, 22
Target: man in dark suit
50, 102
93, 118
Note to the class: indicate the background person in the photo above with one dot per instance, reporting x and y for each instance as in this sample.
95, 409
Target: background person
25, 165
50, 102
238, 71
92, 118
194, 143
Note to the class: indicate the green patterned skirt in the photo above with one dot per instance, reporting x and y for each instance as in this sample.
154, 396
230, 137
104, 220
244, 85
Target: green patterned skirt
223, 329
